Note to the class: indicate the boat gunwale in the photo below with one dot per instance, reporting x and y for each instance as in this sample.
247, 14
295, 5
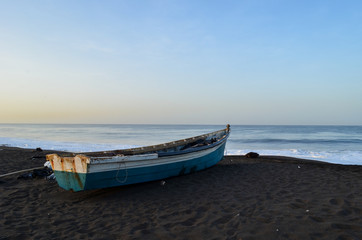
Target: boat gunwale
157, 147
99, 159
196, 149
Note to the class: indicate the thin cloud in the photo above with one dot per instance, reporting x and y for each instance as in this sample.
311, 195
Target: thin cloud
93, 46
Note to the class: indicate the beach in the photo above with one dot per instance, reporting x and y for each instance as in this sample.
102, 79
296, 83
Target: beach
269, 197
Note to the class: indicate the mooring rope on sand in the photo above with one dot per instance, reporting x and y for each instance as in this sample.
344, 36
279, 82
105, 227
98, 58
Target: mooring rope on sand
25, 170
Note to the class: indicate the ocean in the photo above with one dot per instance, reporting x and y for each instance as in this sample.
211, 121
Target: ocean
334, 144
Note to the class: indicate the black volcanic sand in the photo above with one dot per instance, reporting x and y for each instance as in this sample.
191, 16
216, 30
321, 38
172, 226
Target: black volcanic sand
239, 198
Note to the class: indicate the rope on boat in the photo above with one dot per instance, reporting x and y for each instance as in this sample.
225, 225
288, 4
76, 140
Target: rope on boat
119, 168
25, 170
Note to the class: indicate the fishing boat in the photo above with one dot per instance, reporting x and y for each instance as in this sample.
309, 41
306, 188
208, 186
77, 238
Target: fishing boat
94, 170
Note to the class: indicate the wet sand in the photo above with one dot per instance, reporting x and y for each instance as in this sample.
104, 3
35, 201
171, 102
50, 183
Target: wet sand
270, 197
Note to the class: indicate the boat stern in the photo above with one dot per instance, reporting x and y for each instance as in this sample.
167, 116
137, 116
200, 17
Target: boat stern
70, 172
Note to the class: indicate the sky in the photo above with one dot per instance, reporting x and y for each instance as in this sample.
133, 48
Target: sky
181, 62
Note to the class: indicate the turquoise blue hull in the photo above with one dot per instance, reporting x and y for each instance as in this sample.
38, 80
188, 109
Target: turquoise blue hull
123, 176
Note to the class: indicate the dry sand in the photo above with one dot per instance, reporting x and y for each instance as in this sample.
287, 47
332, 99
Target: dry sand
239, 198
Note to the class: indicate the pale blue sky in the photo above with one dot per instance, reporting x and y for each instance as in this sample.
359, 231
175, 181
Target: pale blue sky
203, 62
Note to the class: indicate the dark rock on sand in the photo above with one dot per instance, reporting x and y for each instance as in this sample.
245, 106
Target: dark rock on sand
38, 149
36, 173
252, 155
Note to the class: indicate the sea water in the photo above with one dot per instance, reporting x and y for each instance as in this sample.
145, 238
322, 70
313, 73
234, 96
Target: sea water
335, 144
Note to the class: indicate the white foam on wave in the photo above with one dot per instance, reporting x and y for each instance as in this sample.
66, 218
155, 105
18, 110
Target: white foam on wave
61, 146
339, 157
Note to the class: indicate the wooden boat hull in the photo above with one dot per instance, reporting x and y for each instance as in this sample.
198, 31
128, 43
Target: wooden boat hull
82, 172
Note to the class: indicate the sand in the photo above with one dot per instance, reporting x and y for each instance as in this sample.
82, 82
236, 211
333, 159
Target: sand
239, 198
